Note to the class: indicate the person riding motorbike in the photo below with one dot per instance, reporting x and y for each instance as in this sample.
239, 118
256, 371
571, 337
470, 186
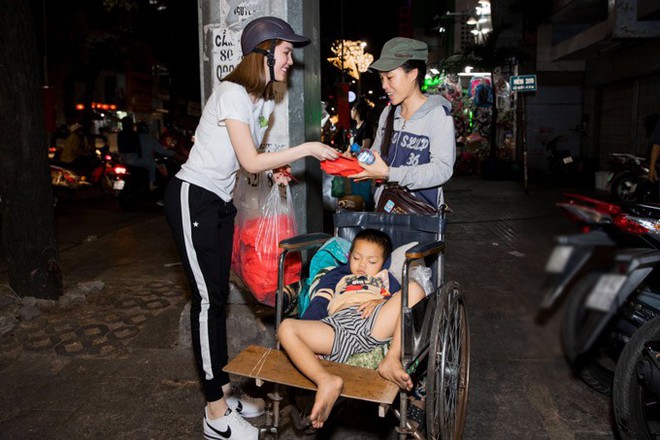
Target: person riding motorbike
137, 149
150, 147
76, 151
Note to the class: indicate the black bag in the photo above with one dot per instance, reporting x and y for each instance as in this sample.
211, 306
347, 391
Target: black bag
397, 200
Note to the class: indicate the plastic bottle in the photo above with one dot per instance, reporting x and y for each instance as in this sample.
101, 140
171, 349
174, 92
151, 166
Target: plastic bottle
364, 155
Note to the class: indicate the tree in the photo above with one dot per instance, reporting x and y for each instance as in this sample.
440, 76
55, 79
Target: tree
26, 199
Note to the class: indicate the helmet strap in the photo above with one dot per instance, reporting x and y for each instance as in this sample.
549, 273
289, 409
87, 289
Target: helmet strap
270, 57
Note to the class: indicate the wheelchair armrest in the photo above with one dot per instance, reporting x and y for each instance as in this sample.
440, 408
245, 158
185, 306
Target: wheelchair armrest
304, 241
425, 249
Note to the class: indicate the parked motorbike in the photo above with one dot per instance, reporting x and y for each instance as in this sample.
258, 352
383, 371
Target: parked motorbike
629, 179
607, 275
636, 394
560, 162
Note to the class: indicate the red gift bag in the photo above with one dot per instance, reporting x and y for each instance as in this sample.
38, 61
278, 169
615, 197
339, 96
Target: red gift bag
342, 166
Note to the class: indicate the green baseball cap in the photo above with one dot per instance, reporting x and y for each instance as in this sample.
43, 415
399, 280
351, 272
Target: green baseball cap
397, 51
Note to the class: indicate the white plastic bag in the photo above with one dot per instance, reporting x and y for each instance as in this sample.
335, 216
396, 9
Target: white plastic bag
257, 241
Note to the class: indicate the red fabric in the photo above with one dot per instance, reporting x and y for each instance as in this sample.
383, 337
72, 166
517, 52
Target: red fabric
342, 166
256, 263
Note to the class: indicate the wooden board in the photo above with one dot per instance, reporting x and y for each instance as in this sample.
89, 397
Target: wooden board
272, 365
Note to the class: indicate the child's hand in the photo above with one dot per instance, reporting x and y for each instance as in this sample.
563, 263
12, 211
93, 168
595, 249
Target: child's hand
367, 308
347, 153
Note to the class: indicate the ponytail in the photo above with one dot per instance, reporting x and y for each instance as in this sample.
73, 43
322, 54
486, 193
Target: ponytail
386, 141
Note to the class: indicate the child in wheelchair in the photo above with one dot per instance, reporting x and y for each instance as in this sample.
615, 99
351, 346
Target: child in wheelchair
353, 311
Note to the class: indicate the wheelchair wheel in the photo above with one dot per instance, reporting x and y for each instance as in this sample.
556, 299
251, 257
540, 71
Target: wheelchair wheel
448, 373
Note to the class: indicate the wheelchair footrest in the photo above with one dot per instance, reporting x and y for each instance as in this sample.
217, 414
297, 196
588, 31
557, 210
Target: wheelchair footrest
274, 366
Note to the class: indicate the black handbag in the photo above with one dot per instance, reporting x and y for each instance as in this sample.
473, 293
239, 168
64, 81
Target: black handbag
395, 199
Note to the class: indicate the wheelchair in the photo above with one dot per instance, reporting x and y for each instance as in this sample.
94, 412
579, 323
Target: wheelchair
435, 334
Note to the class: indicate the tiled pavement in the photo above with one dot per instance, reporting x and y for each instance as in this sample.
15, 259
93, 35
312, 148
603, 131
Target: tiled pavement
113, 366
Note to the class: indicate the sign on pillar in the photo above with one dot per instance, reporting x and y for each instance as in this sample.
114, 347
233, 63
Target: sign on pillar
523, 83
225, 37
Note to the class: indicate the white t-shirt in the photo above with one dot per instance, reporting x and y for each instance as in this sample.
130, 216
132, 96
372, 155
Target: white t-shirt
212, 163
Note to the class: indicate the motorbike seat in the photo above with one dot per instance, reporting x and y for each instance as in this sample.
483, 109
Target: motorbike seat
644, 210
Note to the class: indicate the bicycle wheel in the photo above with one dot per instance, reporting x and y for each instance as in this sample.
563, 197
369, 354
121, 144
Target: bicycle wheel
448, 373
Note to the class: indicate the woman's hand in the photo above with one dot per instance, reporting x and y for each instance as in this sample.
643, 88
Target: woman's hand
377, 170
282, 175
367, 308
321, 151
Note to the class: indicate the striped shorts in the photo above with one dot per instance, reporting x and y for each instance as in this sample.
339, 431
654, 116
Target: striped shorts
352, 333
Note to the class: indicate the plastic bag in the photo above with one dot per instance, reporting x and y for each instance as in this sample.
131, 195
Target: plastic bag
249, 196
422, 275
338, 184
256, 239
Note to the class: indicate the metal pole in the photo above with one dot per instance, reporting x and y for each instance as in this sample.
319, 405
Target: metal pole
341, 35
43, 14
523, 130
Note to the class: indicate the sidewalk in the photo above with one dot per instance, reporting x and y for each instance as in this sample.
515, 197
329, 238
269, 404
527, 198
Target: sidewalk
116, 366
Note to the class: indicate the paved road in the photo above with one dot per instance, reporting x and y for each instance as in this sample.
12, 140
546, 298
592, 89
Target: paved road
114, 365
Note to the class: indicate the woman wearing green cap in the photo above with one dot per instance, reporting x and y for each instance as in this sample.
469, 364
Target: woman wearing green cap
200, 211
415, 145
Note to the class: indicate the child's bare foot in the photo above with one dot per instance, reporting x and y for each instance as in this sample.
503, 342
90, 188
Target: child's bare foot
391, 369
327, 392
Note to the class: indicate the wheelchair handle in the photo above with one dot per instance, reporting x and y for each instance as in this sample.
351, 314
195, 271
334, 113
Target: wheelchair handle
304, 241
425, 249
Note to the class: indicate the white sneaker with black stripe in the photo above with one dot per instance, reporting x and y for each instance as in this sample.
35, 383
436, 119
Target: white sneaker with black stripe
229, 426
247, 406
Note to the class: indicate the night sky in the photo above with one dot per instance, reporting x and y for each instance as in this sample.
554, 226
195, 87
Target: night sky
372, 21
172, 34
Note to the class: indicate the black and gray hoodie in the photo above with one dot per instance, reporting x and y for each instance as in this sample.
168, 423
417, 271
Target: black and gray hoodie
423, 149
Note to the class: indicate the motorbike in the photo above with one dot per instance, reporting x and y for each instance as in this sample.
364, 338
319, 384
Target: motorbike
607, 276
629, 179
132, 183
103, 173
636, 394
64, 182
98, 171
560, 162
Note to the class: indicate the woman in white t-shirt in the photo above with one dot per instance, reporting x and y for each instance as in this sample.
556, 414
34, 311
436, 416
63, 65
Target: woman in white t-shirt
200, 212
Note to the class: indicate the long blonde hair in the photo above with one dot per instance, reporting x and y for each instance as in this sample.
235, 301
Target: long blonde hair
250, 73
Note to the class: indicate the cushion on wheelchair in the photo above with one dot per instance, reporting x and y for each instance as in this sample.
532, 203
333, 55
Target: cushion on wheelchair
417, 272
370, 359
333, 253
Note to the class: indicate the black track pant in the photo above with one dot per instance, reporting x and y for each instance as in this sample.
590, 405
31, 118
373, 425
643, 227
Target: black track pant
203, 227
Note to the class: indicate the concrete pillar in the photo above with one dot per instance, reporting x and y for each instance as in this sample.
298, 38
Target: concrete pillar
297, 118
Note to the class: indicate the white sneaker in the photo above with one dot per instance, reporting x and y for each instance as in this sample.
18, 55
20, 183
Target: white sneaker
247, 406
229, 426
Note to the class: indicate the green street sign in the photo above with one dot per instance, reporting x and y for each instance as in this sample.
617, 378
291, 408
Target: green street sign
523, 83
